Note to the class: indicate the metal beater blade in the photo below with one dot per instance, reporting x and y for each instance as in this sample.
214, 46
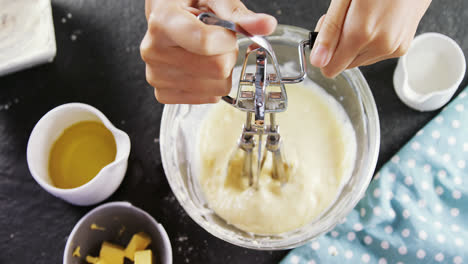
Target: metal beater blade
260, 102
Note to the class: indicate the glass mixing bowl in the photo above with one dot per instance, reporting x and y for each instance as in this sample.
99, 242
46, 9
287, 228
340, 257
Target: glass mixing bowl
180, 126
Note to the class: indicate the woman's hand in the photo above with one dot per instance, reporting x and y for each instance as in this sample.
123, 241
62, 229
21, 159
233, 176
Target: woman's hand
188, 62
362, 32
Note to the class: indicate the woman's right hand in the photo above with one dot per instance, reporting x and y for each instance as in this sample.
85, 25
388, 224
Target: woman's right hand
188, 62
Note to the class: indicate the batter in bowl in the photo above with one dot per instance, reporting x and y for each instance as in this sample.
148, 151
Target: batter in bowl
319, 146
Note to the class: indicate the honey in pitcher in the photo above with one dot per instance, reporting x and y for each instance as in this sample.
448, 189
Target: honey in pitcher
80, 153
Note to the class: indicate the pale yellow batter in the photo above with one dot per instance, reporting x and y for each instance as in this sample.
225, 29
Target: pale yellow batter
319, 146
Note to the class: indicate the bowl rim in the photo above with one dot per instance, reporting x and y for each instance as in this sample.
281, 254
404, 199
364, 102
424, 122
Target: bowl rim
122, 204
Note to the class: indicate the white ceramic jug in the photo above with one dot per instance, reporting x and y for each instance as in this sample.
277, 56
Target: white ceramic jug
46, 132
429, 74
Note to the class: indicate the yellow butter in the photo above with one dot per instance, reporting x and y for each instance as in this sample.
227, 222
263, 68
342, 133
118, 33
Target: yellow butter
112, 254
144, 257
76, 252
138, 242
121, 230
93, 260
96, 227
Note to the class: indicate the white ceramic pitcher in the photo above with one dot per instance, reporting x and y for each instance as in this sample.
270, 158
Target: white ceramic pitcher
46, 132
429, 74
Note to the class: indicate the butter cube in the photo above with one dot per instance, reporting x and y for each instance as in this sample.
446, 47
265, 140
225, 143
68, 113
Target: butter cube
76, 252
95, 260
92, 260
144, 257
138, 242
111, 253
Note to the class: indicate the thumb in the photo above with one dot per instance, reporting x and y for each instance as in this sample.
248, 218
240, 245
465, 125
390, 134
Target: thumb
319, 24
330, 31
235, 11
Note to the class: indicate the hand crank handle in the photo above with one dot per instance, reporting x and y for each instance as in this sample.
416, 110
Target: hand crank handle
302, 59
212, 19
312, 38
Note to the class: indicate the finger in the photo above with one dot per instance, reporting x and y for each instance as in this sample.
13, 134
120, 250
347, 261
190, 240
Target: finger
361, 62
366, 58
345, 54
215, 67
235, 11
372, 53
202, 87
357, 38
186, 31
152, 43
148, 8
181, 97
363, 58
319, 24
353, 42
195, 11
329, 35
171, 79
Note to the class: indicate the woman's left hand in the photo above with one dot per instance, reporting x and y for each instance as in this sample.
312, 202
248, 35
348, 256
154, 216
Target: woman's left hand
362, 32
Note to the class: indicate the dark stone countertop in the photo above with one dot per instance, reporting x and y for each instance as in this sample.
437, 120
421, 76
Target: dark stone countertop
102, 67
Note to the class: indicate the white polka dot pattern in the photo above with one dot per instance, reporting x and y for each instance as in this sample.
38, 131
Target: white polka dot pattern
402, 250
382, 261
420, 254
365, 258
415, 208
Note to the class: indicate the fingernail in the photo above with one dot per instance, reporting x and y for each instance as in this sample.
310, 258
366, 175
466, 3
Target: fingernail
319, 56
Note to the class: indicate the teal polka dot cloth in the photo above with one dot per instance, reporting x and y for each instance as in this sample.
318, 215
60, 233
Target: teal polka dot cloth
415, 209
